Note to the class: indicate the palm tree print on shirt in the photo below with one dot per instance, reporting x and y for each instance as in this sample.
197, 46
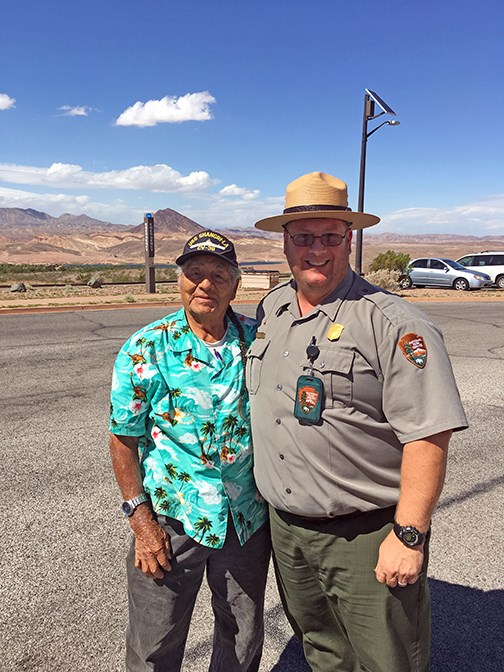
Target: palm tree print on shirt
160, 493
213, 540
172, 472
208, 433
202, 525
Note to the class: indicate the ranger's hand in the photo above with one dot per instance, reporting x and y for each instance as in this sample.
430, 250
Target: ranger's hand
152, 544
397, 564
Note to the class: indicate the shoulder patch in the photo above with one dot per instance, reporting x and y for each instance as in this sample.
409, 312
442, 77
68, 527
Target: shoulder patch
414, 349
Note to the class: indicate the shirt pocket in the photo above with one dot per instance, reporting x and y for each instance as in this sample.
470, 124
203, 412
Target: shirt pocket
255, 359
335, 367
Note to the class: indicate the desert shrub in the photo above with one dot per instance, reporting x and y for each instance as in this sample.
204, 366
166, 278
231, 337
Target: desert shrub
129, 298
385, 279
83, 277
390, 261
95, 281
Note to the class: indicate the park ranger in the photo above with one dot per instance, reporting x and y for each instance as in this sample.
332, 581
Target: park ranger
353, 403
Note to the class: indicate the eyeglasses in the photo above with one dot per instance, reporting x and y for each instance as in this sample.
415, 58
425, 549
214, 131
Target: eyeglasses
307, 239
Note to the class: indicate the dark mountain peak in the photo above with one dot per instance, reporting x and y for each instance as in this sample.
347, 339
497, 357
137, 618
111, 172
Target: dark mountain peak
171, 221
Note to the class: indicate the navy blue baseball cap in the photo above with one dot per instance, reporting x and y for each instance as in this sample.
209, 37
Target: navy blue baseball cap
209, 242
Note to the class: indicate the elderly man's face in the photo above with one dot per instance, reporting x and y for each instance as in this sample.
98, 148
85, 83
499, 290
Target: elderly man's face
318, 269
207, 287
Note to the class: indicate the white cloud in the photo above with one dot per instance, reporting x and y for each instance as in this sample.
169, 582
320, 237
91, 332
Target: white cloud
157, 178
115, 211
218, 212
480, 218
78, 111
6, 102
234, 190
168, 110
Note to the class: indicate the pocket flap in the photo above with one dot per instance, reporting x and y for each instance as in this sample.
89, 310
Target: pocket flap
336, 360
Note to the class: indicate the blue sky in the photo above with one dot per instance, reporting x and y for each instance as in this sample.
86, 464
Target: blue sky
114, 108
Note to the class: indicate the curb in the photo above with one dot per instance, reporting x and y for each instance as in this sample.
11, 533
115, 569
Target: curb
101, 306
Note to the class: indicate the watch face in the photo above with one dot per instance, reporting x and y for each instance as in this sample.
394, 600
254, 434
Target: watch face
127, 509
410, 537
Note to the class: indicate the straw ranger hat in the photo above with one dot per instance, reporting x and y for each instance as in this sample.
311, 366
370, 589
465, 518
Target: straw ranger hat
317, 195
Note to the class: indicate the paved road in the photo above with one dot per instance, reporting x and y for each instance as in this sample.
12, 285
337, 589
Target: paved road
62, 596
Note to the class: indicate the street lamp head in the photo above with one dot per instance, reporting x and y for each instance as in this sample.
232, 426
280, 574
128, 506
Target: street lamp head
394, 122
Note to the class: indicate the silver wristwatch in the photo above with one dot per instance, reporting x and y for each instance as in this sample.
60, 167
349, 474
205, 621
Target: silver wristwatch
129, 506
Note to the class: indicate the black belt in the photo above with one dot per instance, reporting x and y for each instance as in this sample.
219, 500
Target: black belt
295, 518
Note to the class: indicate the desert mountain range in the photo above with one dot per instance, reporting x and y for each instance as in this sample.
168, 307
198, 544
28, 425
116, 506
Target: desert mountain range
31, 237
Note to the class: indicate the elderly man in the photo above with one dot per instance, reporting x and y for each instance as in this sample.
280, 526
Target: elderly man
181, 451
353, 404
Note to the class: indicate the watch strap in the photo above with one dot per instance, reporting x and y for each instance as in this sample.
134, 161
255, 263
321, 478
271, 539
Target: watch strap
129, 506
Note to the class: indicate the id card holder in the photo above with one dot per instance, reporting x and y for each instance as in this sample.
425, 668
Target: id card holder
309, 400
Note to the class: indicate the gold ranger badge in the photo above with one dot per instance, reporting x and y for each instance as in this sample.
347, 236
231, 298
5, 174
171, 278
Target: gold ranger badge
335, 331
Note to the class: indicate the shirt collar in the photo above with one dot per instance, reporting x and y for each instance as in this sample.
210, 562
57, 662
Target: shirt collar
189, 341
329, 306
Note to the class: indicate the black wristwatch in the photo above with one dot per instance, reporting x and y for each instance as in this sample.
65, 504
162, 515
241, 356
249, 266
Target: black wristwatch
128, 507
409, 535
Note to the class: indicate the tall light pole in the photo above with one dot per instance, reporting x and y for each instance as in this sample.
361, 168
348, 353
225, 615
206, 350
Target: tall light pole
371, 99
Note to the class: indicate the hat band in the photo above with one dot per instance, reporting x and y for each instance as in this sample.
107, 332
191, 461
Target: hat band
308, 208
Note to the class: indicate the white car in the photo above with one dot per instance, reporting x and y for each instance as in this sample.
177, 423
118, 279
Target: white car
440, 272
488, 261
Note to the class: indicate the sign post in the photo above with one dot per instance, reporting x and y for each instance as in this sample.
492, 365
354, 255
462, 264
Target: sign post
150, 282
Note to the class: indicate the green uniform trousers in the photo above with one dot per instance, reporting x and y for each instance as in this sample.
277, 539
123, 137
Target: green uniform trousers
347, 621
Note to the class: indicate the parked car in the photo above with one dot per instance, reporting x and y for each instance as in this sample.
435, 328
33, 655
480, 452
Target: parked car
490, 262
440, 272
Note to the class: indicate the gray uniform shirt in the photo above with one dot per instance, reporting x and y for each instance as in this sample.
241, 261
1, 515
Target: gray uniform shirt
387, 381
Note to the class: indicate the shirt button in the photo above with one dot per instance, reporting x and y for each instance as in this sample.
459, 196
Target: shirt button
278, 421
286, 353
281, 456
322, 365
288, 491
279, 387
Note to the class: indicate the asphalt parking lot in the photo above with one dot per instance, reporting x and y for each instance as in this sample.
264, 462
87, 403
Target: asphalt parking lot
62, 586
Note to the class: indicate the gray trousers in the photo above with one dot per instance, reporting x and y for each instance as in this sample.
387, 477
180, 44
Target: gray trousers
160, 610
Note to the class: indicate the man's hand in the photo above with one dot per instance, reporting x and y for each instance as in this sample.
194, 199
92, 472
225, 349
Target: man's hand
152, 544
397, 564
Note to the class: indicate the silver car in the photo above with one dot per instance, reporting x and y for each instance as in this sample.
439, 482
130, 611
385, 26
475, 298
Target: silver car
440, 272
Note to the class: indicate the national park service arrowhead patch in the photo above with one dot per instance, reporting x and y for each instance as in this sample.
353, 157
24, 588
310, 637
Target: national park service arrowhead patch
414, 349
308, 397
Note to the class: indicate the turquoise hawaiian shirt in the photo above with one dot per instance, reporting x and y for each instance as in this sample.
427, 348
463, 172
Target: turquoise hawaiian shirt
189, 407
